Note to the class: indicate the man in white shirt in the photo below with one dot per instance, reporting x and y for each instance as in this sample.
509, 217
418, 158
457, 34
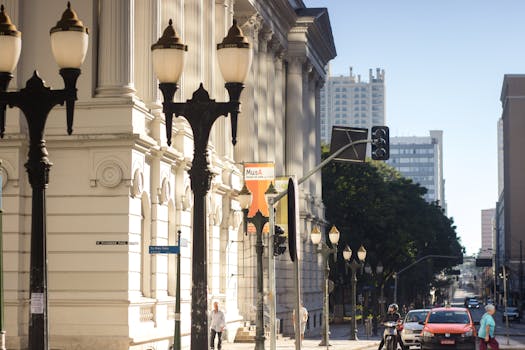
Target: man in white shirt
217, 325
303, 314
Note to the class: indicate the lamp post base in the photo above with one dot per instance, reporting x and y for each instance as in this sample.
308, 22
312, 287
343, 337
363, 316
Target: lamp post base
2, 341
324, 343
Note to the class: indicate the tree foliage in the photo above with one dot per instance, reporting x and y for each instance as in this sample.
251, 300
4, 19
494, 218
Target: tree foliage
373, 205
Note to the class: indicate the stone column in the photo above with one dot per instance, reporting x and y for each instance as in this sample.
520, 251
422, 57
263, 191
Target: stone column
294, 117
193, 37
221, 133
279, 113
147, 32
262, 100
246, 148
115, 51
312, 145
318, 177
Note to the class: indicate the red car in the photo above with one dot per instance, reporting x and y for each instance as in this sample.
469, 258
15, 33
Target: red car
449, 328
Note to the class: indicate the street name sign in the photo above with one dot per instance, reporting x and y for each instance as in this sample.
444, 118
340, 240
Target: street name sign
164, 249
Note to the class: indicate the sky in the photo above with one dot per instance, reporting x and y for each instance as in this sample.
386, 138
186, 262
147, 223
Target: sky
444, 63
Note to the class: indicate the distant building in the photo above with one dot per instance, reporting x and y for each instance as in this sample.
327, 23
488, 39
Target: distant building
513, 104
500, 157
349, 101
420, 158
487, 232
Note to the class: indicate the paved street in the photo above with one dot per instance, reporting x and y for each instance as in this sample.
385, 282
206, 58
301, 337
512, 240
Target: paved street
338, 339
341, 332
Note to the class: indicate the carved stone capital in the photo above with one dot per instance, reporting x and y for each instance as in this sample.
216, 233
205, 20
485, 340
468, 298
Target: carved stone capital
295, 64
265, 37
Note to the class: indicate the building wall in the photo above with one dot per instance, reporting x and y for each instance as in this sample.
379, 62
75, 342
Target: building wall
500, 157
420, 158
350, 101
115, 178
513, 104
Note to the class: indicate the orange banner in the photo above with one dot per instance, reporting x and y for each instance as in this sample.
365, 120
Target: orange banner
258, 177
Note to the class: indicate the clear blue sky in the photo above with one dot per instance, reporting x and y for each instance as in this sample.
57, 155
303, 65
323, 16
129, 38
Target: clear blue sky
444, 62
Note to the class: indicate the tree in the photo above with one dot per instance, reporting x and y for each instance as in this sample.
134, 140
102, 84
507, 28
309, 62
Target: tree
373, 205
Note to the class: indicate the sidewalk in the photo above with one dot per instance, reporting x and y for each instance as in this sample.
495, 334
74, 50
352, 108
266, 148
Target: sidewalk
339, 340
514, 343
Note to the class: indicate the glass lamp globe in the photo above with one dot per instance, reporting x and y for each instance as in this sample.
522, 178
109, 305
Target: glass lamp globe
379, 268
168, 56
347, 253
10, 43
334, 235
315, 235
245, 197
234, 54
271, 192
361, 253
69, 40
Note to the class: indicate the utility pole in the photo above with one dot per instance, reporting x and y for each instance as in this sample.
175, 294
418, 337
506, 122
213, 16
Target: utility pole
521, 276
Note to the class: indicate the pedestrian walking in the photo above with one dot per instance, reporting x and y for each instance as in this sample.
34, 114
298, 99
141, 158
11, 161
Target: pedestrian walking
217, 324
303, 314
486, 329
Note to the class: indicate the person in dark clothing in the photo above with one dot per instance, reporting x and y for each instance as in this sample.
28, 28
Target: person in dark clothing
392, 316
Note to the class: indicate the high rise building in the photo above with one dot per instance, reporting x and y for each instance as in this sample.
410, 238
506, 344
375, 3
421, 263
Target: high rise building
487, 232
350, 101
420, 158
513, 199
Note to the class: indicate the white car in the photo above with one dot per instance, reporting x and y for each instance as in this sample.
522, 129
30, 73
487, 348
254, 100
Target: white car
411, 333
512, 313
473, 303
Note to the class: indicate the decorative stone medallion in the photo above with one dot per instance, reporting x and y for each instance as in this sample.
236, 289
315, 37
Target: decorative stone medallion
109, 174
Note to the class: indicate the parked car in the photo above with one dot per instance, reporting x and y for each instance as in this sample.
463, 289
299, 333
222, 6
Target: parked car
473, 303
449, 328
513, 313
411, 333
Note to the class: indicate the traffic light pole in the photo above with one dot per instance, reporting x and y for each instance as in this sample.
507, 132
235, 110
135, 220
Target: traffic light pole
272, 297
272, 201
396, 274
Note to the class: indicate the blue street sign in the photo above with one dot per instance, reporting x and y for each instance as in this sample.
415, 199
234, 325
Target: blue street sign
164, 249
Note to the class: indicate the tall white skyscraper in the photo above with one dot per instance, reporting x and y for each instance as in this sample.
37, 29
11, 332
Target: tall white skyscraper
349, 101
420, 158
487, 229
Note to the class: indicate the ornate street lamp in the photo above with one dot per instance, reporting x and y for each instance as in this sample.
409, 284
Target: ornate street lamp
259, 221
354, 265
234, 55
379, 272
325, 252
69, 42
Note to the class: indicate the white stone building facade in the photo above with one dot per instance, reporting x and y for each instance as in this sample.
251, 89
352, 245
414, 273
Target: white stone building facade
115, 178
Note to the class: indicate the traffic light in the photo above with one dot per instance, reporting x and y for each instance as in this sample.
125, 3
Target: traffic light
380, 143
279, 239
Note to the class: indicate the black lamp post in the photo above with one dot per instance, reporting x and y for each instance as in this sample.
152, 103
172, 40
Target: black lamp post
259, 221
379, 272
69, 42
354, 265
234, 55
325, 252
